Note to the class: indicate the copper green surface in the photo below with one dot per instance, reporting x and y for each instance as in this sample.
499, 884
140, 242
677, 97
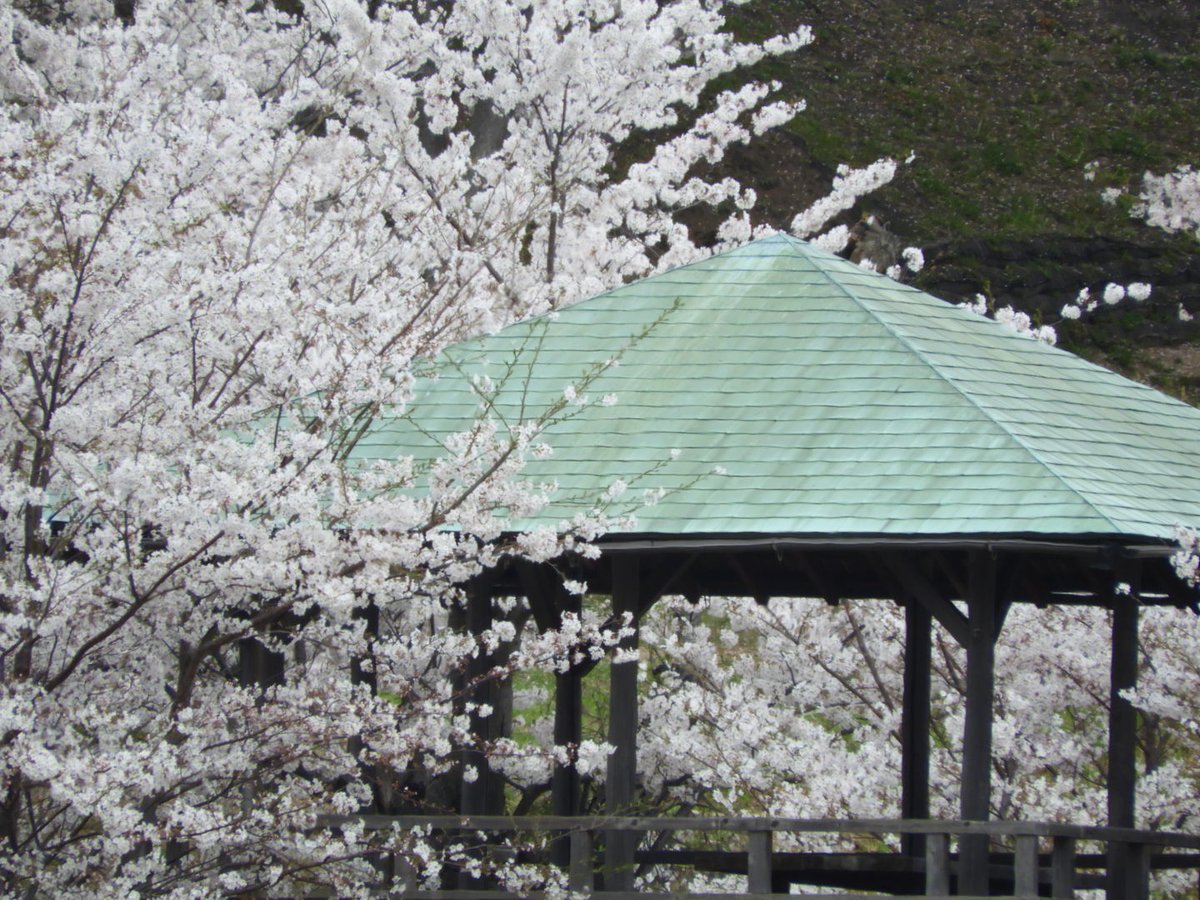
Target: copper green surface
834, 400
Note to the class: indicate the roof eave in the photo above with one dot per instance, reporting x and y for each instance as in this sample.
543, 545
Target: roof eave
1140, 546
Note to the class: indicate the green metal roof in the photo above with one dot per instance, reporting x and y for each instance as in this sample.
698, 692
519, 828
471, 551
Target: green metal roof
836, 401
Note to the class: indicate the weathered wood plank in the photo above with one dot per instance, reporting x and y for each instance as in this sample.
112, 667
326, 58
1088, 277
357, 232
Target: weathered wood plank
918, 586
788, 862
565, 783
1025, 866
580, 872
1062, 868
1136, 884
937, 865
758, 854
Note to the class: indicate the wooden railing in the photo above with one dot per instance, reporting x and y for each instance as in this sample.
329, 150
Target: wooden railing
1028, 869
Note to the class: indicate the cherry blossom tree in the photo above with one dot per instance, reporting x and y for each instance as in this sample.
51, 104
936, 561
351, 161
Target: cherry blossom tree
229, 231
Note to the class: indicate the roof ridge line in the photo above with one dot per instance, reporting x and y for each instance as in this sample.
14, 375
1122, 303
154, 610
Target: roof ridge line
970, 399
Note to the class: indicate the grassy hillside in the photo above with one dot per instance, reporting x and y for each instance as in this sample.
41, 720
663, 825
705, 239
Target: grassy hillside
1003, 104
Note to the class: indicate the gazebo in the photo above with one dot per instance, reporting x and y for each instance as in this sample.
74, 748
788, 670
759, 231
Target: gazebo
802, 427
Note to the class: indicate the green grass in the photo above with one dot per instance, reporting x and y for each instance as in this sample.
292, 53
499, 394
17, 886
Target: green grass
1002, 158
986, 100
822, 142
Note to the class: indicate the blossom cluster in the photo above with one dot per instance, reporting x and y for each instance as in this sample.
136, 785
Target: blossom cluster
1171, 201
1022, 323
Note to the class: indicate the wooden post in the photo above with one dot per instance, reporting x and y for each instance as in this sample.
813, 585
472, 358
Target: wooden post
362, 669
977, 728
1062, 868
622, 730
1137, 879
1122, 876
937, 865
1025, 866
580, 877
758, 861
914, 722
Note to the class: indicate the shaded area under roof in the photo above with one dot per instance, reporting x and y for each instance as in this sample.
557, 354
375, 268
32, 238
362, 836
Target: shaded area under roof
807, 396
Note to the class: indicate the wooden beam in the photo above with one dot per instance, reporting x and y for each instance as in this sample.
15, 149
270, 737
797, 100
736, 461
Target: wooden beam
622, 727
801, 562
749, 581
977, 728
1029, 585
671, 582
1002, 609
917, 586
1176, 589
915, 722
1007, 578
953, 570
1124, 878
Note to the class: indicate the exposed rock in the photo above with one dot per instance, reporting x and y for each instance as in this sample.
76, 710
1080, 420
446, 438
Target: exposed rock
870, 241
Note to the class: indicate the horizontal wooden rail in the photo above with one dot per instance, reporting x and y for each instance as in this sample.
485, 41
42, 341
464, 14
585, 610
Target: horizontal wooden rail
1026, 869
631, 895
756, 823
639, 895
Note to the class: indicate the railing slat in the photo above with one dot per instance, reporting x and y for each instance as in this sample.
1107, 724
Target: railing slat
1137, 884
1062, 868
580, 874
758, 853
1025, 865
937, 865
